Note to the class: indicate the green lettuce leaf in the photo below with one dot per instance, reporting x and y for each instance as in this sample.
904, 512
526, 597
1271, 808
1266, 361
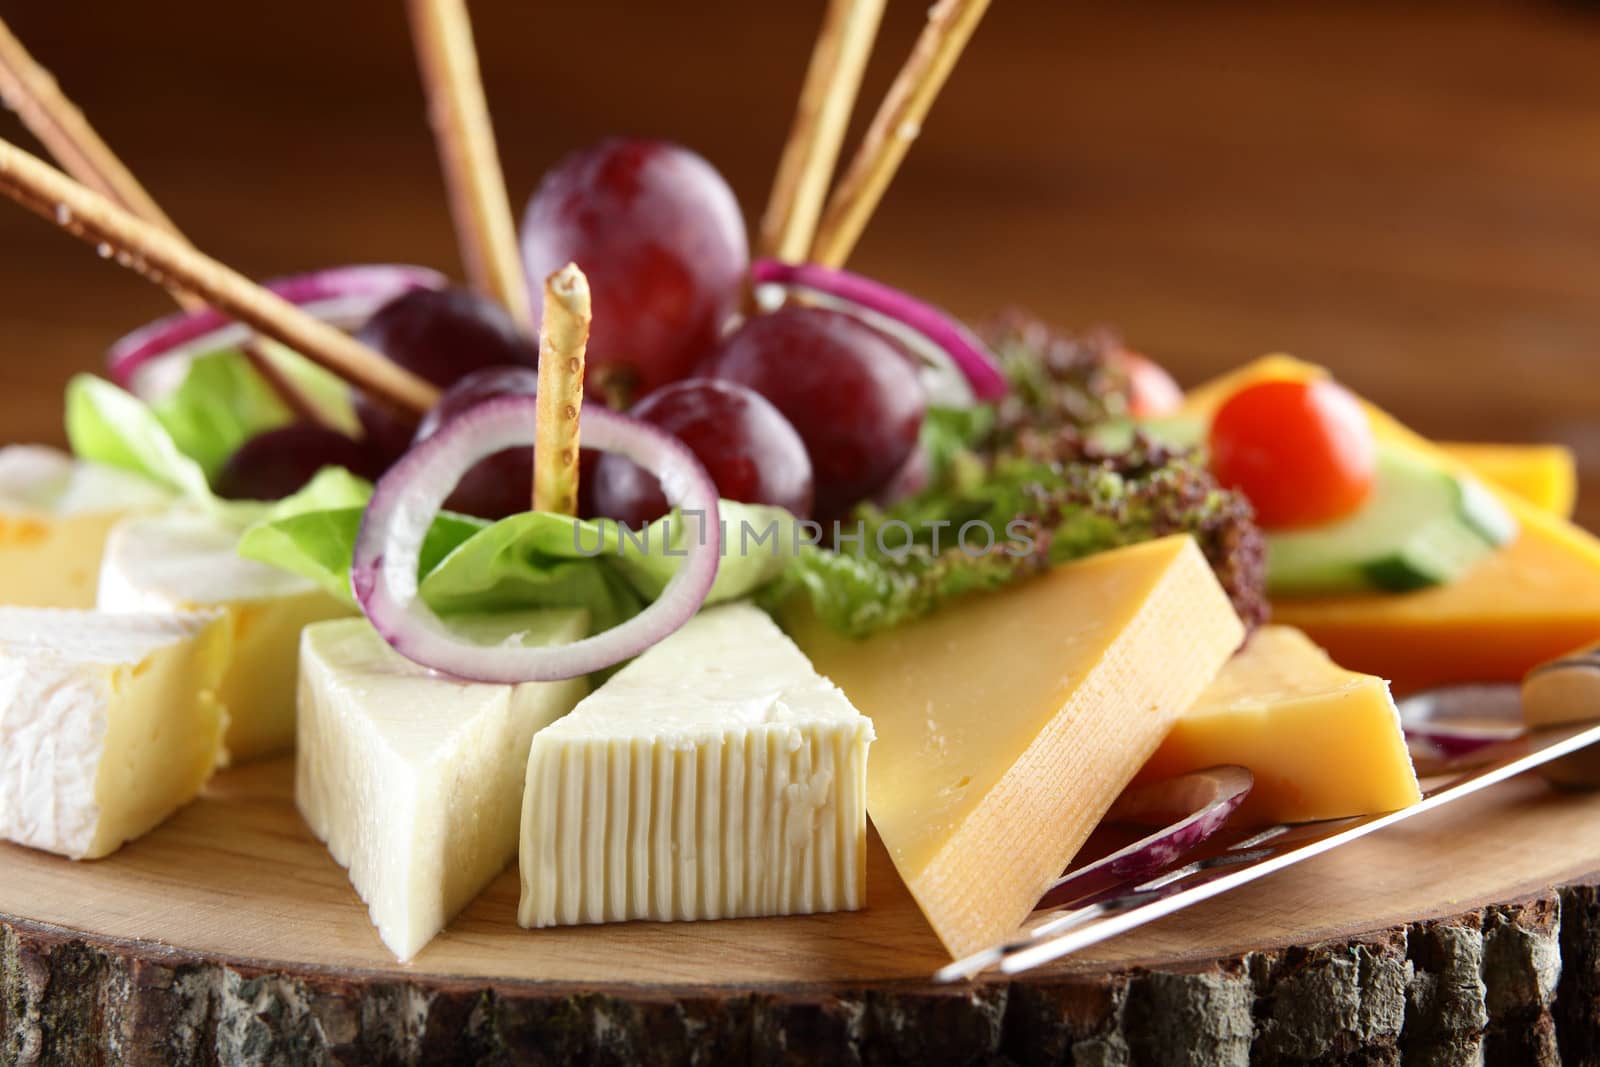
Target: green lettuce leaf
534, 559
318, 544
186, 436
113, 427
949, 436
325, 391
330, 489
758, 543
859, 594
221, 403
1028, 508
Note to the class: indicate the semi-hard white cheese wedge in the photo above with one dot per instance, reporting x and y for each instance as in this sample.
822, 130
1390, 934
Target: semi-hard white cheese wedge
414, 781
186, 561
716, 776
55, 512
108, 723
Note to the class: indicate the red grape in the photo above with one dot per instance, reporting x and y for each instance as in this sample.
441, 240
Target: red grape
852, 395
439, 335
660, 236
747, 446
274, 464
501, 484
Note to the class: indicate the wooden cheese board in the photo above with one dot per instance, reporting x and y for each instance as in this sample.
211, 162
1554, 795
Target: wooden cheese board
230, 933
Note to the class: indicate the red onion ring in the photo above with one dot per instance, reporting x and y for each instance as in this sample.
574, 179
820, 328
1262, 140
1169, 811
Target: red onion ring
383, 571
945, 334
1452, 727
1189, 809
343, 296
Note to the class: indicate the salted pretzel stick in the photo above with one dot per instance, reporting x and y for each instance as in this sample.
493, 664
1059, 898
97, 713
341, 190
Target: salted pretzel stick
33, 93
461, 128
172, 262
896, 124
60, 126
833, 79
563, 337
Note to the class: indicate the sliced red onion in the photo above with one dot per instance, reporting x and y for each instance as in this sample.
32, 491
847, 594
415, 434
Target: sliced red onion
383, 572
1189, 809
1447, 727
343, 296
931, 334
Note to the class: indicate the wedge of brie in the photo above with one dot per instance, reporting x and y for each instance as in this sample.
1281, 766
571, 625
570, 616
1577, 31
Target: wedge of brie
716, 776
108, 723
186, 561
55, 512
414, 780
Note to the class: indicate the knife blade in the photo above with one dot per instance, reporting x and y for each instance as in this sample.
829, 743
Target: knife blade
1061, 931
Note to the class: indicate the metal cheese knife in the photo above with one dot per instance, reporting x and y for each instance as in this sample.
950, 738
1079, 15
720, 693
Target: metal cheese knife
1217, 867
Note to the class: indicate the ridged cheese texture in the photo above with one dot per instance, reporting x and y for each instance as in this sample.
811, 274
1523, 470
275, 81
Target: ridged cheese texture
108, 723
1528, 602
55, 513
186, 561
1009, 722
716, 776
414, 781
1322, 742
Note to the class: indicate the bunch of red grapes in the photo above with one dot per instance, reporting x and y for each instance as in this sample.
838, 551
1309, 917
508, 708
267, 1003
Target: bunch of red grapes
806, 408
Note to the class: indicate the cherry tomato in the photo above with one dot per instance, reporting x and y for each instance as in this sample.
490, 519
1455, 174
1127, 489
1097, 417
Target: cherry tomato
1152, 391
1302, 452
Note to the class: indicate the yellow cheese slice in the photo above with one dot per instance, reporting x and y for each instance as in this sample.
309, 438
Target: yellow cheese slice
1546, 476
1322, 742
1008, 724
1527, 603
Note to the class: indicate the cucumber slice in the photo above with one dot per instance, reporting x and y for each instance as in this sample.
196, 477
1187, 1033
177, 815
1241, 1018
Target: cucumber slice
1422, 526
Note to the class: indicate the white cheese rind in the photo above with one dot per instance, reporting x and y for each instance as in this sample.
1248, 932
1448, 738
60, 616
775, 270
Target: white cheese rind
55, 513
413, 781
108, 724
716, 776
186, 561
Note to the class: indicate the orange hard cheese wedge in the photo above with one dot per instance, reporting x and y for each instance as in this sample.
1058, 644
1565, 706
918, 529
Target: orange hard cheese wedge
1008, 723
1322, 742
1529, 602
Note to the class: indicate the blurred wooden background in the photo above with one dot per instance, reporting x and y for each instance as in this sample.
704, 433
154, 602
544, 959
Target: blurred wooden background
1408, 193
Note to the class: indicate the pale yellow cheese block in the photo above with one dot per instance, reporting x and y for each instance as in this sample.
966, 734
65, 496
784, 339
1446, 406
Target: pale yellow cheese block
1008, 723
1322, 742
189, 561
55, 513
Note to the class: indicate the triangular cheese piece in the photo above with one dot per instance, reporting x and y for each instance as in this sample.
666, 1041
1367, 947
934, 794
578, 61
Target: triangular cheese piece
717, 776
1322, 742
1531, 601
414, 780
108, 723
1008, 723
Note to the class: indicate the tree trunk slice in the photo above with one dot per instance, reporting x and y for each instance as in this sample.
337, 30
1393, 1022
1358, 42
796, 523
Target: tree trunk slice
229, 935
